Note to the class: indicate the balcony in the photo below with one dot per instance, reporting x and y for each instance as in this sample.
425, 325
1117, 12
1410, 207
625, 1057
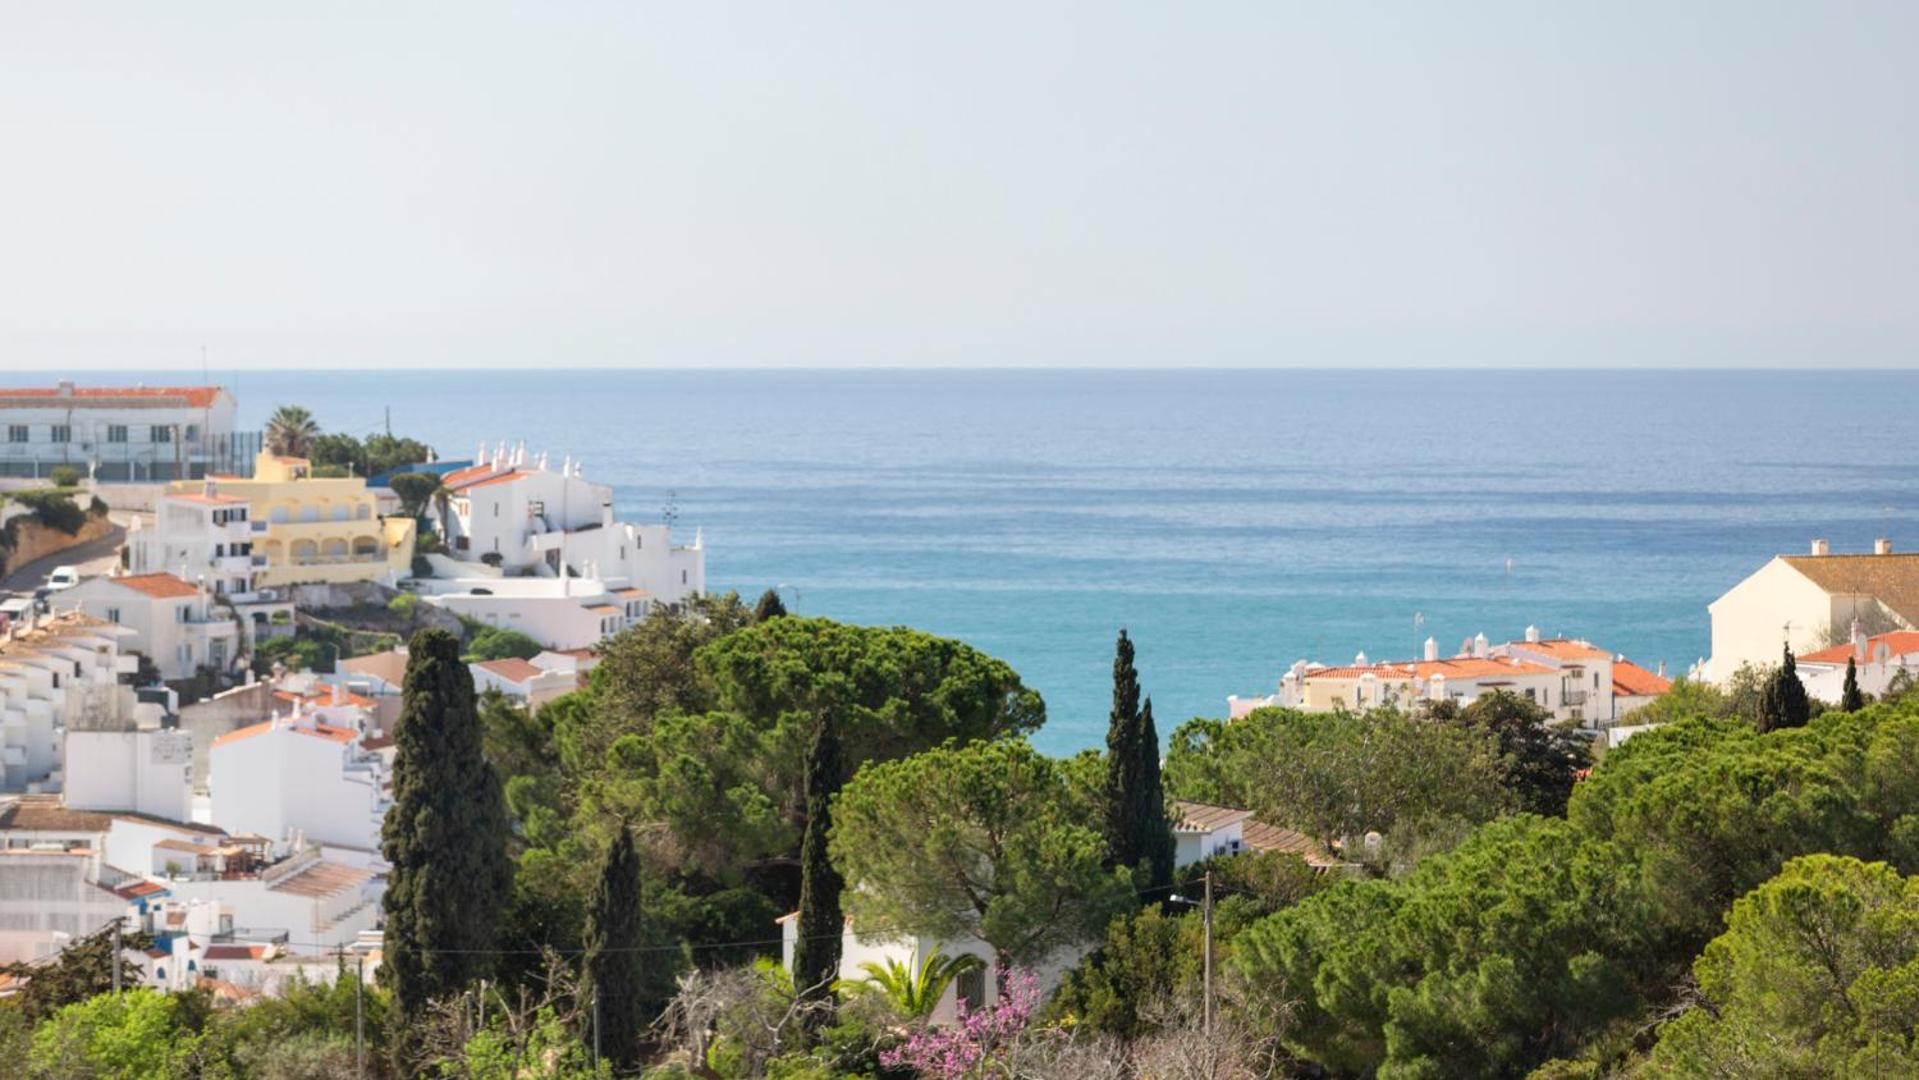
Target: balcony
1573, 698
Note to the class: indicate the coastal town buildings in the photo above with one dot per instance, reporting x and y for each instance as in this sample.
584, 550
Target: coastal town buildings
301, 776
1877, 661
58, 674
1810, 602
1634, 687
1574, 680
174, 624
144, 769
315, 530
202, 534
536, 548
128, 434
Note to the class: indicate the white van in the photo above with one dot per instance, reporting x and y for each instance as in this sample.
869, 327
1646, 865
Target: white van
15, 611
63, 577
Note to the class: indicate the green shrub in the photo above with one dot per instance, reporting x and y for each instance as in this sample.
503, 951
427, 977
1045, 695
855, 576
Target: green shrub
66, 476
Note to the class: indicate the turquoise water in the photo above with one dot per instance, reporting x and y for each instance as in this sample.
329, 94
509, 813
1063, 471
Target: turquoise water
1233, 521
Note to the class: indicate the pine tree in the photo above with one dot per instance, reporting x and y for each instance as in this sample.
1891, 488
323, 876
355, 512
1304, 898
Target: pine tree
613, 963
444, 837
1784, 703
1137, 831
1850, 699
816, 959
769, 607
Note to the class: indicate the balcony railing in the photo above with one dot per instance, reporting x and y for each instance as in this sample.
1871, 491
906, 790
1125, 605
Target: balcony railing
1573, 697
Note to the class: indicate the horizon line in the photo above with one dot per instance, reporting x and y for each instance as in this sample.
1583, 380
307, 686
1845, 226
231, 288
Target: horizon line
996, 368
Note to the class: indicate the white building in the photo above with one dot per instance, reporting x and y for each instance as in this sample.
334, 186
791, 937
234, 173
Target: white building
197, 535
122, 434
1810, 602
1633, 687
1877, 660
522, 680
175, 624
298, 777
559, 613
1571, 679
58, 675
147, 770
552, 522
1202, 831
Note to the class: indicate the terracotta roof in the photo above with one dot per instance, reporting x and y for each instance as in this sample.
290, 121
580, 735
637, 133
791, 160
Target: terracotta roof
1893, 580
184, 845
491, 480
1259, 836
1631, 680
1458, 667
167, 823
197, 397
1200, 817
631, 592
314, 728
1563, 649
512, 669
157, 586
133, 890
388, 667
459, 477
235, 952
44, 813
322, 879
602, 609
1897, 643
325, 697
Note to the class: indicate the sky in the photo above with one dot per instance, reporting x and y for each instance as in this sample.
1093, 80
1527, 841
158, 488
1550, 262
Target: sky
880, 184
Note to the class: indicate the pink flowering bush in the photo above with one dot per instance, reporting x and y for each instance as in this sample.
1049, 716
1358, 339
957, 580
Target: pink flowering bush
982, 1043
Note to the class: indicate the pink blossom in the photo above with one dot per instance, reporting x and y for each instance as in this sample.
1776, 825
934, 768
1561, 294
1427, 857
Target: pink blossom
978, 1040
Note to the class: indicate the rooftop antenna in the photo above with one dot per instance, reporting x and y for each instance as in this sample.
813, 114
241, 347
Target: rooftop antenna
671, 511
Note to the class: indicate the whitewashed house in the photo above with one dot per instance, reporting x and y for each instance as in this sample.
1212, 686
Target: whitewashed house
522, 680
126, 434
1877, 661
147, 770
302, 777
59, 674
175, 624
1633, 687
201, 534
1810, 602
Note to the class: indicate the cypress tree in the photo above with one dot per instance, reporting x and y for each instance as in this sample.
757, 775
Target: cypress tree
1850, 699
769, 607
613, 938
444, 837
1137, 831
1784, 703
816, 959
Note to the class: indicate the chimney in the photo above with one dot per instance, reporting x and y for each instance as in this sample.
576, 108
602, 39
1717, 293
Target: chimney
1432, 649
1662, 669
606, 513
65, 388
1882, 546
339, 694
1479, 646
1360, 660
1532, 634
1820, 547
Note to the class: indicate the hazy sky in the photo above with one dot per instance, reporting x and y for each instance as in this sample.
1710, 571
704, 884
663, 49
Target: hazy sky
913, 184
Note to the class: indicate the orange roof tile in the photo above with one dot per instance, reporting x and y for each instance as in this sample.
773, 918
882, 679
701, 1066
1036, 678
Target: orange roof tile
489, 480
317, 730
325, 697
1563, 649
198, 397
158, 586
235, 952
1898, 643
512, 669
1631, 680
461, 476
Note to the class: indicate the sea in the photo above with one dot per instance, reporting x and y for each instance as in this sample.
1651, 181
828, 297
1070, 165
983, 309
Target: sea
1231, 521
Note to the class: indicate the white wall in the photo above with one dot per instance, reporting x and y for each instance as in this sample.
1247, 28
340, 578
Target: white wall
1749, 621
284, 780
149, 771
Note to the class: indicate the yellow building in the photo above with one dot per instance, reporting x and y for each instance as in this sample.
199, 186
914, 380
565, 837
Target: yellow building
313, 530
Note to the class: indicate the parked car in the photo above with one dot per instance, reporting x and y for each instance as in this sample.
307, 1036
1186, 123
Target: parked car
63, 577
15, 609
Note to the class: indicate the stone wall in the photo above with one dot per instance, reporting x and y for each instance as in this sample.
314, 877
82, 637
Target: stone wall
32, 540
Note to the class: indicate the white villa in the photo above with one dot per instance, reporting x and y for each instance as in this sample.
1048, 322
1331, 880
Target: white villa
174, 624
58, 675
1573, 679
128, 434
1809, 602
302, 777
537, 549
1877, 660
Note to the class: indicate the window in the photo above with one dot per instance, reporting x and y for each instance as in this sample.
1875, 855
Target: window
116, 433
1595, 680
16, 433
62, 433
496, 509
183, 613
113, 614
682, 577
160, 433
970, 988
219, 551
193, 433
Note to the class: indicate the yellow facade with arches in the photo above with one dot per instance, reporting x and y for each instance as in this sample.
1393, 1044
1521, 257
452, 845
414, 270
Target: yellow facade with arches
316, 530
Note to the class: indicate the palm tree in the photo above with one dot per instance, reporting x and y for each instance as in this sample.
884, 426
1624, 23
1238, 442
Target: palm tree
915, 992
291, 431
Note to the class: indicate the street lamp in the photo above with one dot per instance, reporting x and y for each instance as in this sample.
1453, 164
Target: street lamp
1205, 905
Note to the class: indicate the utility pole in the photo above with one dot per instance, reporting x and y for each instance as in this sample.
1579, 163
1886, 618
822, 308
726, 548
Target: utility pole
116, 957
1206, 910
359, 1014
596, 1026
